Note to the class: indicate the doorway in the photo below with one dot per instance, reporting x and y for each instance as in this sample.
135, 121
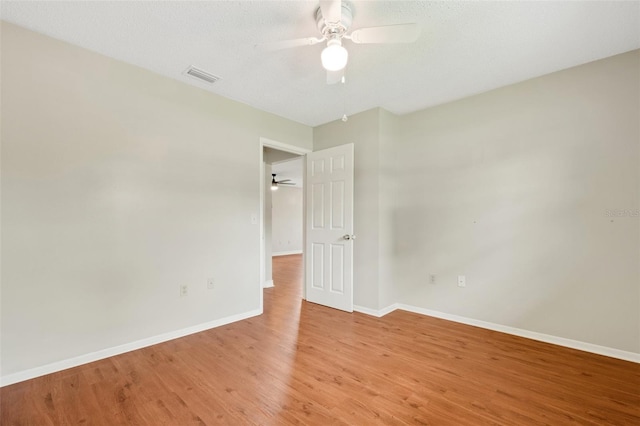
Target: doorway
287, 163
327, 236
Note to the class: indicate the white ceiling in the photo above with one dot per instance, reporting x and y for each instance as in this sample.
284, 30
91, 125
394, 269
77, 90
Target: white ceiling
465, 47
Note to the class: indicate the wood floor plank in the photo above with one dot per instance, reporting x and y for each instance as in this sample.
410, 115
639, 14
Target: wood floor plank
301, 363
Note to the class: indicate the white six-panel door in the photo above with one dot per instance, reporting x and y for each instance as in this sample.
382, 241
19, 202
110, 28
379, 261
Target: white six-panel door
329, 236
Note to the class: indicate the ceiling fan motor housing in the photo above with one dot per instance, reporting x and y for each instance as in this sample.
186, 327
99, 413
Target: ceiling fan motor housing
333, 29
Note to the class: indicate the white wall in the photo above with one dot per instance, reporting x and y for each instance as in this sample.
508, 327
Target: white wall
286, 224
511, 189
119, 185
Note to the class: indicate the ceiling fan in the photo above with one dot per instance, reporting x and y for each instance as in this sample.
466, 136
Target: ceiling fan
334, 19
275, 183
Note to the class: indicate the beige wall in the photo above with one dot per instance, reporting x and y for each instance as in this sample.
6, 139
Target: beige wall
268, 225
374, 134
510, 188
275, 155
387, 187
118, 186
286, 223
361, 130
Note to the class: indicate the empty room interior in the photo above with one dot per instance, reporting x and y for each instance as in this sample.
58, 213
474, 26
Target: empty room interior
320, 212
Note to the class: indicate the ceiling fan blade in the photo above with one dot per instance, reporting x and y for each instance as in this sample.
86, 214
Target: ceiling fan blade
287, 44
284, 180
286, 183
334, 77
331, 10
401, 33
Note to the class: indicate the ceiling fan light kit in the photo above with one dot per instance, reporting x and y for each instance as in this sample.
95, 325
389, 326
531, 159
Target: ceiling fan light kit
334, 57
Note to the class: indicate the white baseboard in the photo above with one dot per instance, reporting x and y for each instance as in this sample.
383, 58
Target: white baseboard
547, 338
286, 253
376, 313
267, 284
365, 310
388, 309
117, 350
139, 344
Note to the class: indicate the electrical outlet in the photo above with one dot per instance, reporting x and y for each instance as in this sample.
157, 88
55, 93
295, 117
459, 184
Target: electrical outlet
210, 283
432, 278
184, 290
462, 281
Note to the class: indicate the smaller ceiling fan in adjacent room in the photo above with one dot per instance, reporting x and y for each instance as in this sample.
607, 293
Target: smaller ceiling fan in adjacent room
334, 19
275, 183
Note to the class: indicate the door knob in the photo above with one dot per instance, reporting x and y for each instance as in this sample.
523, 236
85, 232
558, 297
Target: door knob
349, 237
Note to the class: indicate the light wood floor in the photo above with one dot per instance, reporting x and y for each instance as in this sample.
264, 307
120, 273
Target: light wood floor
301, 363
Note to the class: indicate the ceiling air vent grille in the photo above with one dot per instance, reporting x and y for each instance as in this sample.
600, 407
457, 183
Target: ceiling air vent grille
201, 75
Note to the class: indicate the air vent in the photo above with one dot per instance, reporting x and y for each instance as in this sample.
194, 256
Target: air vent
201, 75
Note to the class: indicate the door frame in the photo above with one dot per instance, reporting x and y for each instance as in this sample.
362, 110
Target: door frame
280, 146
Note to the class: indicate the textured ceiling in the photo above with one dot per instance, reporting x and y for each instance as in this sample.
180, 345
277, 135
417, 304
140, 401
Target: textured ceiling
465, 47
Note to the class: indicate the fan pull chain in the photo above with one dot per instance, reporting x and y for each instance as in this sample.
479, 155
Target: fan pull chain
344, 99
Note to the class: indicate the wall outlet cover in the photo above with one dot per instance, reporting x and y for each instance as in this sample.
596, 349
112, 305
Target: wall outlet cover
462, 281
